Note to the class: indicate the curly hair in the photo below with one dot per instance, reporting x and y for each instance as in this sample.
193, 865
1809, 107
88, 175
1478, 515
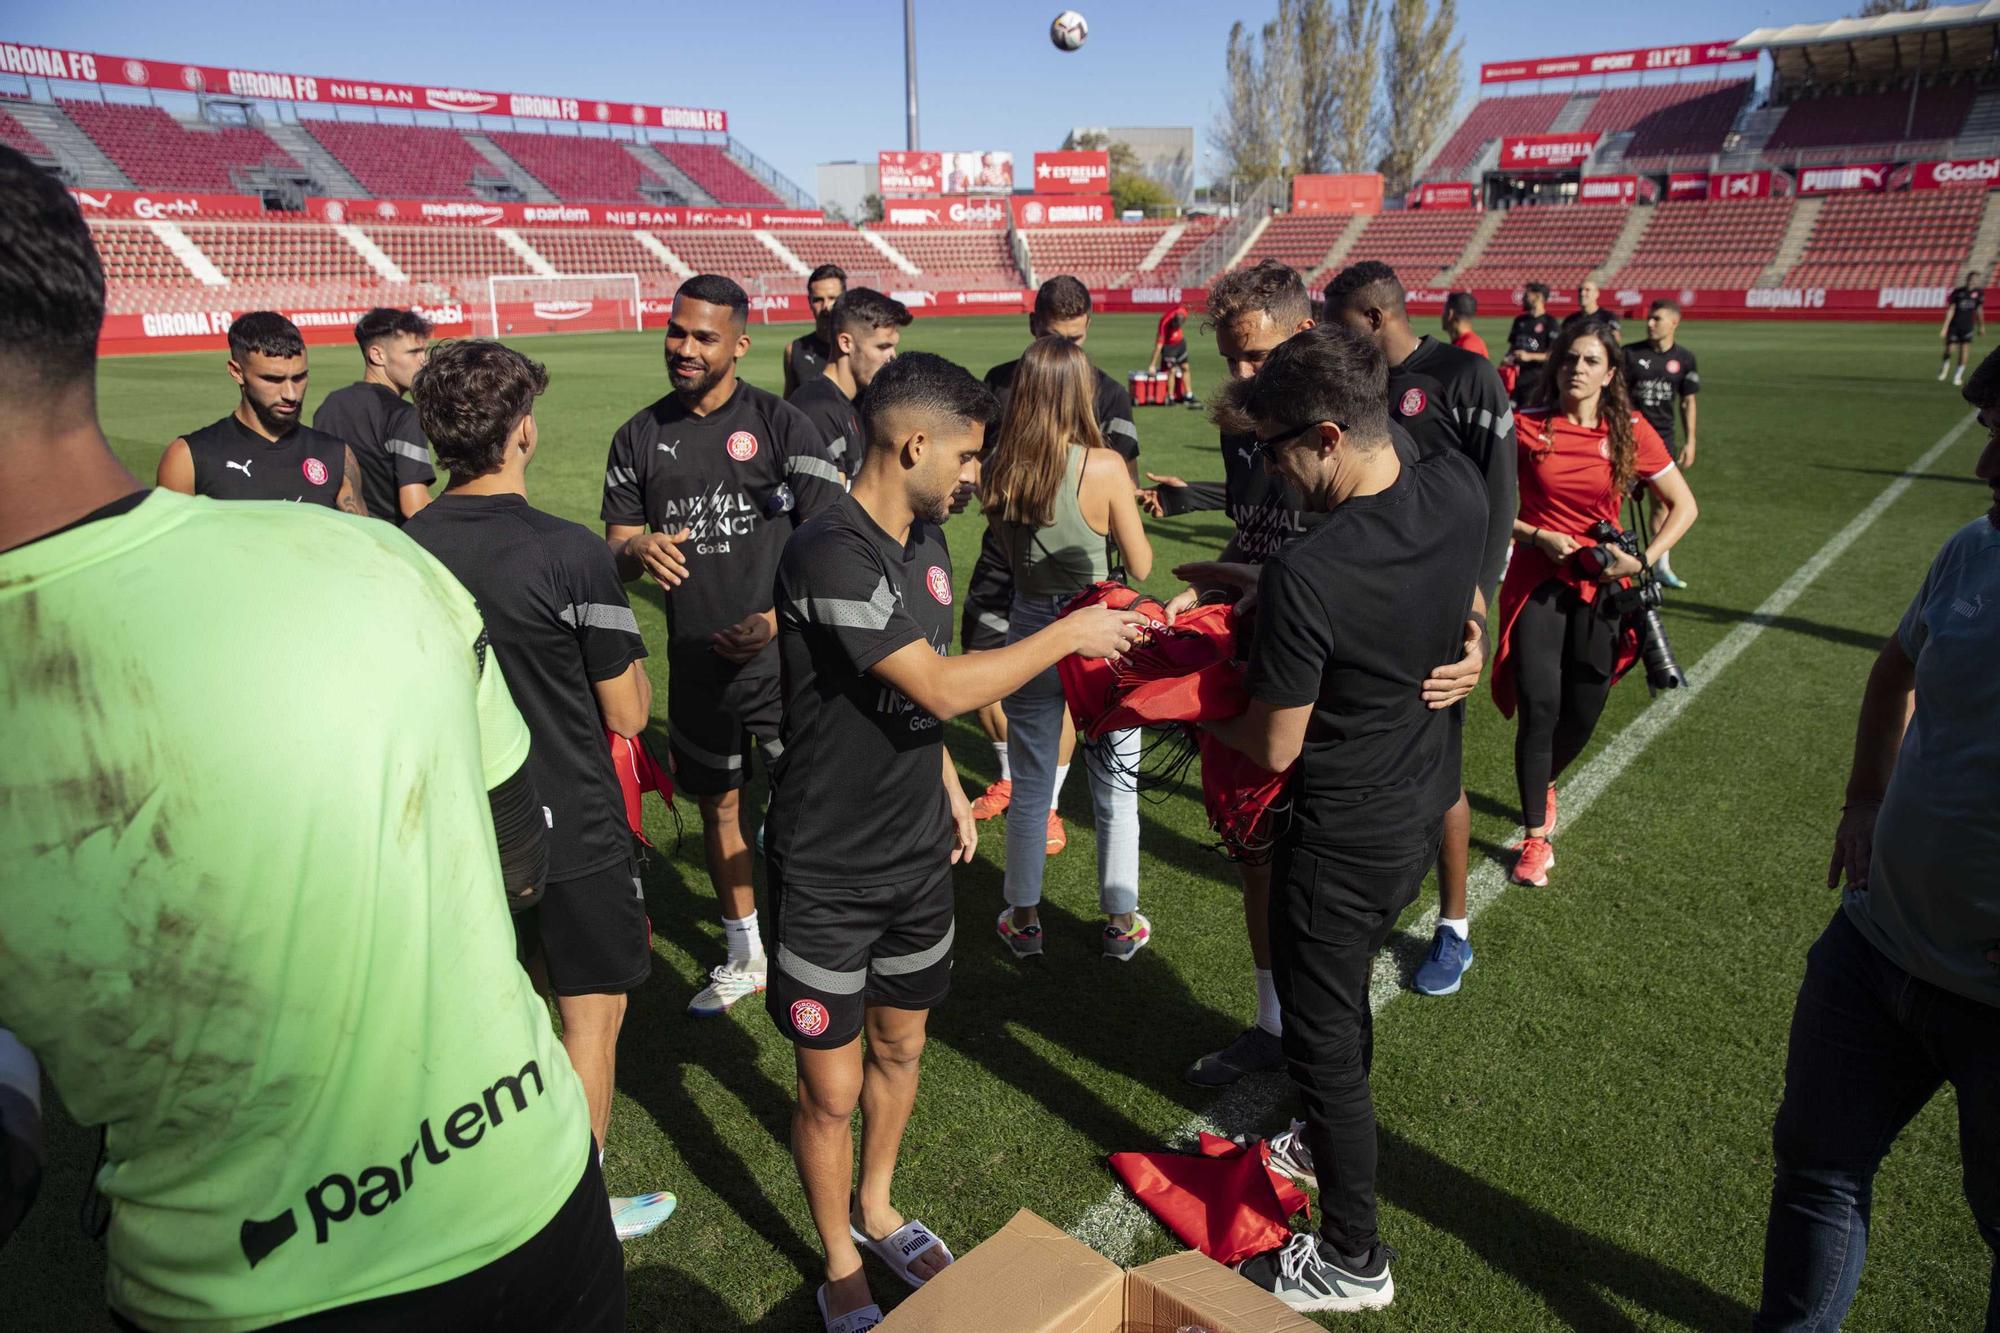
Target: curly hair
1614, 407
470, 395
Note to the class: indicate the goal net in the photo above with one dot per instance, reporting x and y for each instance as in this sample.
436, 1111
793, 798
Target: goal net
523, 303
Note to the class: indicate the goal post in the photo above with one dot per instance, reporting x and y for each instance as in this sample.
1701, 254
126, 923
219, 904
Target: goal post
524, 303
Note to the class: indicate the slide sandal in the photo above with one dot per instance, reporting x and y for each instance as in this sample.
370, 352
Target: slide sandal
854, 1321
900, 1246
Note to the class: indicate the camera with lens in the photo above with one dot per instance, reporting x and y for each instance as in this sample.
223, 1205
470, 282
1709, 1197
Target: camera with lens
1638, 605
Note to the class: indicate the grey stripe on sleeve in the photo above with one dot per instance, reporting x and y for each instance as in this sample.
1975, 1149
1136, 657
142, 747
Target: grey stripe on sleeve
814, 467
843, 613
620, 476
600, 615
408, 449
1120, 426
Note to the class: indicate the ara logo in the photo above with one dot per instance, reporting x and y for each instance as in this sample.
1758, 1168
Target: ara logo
373, 1189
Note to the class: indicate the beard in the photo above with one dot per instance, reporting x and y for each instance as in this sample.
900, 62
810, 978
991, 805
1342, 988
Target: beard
700, 385
935, 508
272, 420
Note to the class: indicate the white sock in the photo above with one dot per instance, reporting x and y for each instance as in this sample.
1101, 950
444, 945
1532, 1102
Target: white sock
1000, 753
1269, 1017
1664, 565
1958, 377
1942, 369
1055, 797
1459, 926
741, 937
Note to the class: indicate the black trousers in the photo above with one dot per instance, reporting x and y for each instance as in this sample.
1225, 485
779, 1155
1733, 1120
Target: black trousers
1564, 652
570, 1275
1331, 911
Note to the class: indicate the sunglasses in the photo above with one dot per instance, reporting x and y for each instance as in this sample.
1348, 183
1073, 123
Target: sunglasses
1261, 449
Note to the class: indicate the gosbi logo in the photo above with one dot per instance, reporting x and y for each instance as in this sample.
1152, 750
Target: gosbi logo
315, 471
563, 309
370, 1191
808, 1017
742, 446
939, 583
1413, 403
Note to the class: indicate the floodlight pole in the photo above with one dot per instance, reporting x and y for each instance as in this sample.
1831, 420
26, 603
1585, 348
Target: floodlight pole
910, 73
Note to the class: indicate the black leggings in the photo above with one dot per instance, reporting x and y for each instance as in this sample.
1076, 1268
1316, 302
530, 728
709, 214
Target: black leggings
1563, 654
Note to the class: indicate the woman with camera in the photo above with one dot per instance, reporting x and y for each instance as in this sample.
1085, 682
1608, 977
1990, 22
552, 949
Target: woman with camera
1562, 644
1053, 492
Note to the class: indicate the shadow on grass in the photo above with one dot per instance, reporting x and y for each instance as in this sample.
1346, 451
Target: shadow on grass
1899, 472
1813, 629
660, 1296
1566, 1266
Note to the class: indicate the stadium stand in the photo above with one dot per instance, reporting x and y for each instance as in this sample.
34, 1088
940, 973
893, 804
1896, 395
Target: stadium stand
591, 250
1853, 120
979, 260
712, 168
1907, 240
1707, 244
1301, 240
842, 246
460, 257
404, 161
1670, 121
20, 138
1100, 256
140, 272
157, 151
1195, 230
1418, 245
1487, 121
581, 169
736, 253
1556, 244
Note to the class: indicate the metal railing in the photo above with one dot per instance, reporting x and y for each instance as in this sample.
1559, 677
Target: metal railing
780, 184
1215, 252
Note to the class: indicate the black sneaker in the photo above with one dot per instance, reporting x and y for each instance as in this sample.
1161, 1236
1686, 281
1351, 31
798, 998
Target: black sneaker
1311, 1278
1255, 1051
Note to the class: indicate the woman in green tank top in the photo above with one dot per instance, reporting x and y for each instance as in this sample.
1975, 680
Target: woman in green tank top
1053, 495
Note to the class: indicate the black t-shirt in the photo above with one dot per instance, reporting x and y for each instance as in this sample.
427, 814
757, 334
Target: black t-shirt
1111, 401
1531, 333
1965, 307
1449, 398
833, 415
559, 622
858, 794
739, 480
805, 359
388, 444
1658, 379
233, 462
1608, 318
1351, 618
1266, 510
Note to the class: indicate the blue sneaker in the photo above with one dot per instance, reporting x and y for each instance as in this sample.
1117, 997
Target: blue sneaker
1442, 971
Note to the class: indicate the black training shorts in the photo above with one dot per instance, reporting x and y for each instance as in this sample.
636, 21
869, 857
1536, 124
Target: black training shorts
1174, 354
1956, 335
839, 950
711, 720
592, 932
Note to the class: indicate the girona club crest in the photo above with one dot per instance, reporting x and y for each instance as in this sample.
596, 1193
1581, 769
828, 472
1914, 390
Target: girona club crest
808, 1017
315, 471
742, 446
1673, 367
939, 583
1413, 403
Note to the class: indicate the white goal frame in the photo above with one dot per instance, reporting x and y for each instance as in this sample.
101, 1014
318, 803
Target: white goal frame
495, 281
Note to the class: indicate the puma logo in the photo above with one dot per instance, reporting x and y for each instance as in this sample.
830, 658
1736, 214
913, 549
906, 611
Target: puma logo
243, 467
672, 451
1970, 610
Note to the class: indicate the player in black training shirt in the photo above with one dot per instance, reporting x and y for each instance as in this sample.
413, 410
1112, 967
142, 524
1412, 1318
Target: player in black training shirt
569, 646
866, 327
867, 815
1446, 398
806, 356
701, 490
1964, 320
1529, 339
260, 451
1661, 377
1587, 308
1349, 618
377, 424
1062, 308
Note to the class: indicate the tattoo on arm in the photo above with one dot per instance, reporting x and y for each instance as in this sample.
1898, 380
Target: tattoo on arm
348, 501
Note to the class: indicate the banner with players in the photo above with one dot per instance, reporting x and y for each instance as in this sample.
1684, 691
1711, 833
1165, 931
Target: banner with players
43, 62
965, 211
1448, 194
1960, 173
165, 205
908, 173
1072, 173
1607, 189
1545, 152
1061, 210
1874, 178
1637, 60
486, 213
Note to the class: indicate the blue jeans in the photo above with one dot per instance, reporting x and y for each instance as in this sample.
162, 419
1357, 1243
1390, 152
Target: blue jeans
1034, 738
1870, 1045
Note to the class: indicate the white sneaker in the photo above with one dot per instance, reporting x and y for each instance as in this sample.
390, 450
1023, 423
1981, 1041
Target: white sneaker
1291, 1157
727, 984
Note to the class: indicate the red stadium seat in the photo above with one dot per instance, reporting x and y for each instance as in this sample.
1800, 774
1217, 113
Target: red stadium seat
1558, 244
1860, 119
580, 169
157, 151
1710, 243
1100, 256
973, 260
1920, 239
1419, 245
404, 161
1491, 118
712, 168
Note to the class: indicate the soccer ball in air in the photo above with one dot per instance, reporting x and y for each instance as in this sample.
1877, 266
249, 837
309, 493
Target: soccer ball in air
1069, 30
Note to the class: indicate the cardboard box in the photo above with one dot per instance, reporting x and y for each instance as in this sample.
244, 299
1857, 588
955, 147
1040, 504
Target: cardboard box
1030, 1277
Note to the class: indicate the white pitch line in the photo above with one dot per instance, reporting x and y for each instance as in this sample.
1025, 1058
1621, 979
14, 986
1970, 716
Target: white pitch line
1113, 1224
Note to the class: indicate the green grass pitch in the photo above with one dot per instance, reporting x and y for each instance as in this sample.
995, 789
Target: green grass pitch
1579, 1139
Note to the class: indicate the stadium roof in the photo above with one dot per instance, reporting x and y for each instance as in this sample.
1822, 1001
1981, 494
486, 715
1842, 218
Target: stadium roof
1887, 46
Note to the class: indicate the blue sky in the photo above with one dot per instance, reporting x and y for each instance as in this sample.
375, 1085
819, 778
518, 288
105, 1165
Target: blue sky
811, 81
